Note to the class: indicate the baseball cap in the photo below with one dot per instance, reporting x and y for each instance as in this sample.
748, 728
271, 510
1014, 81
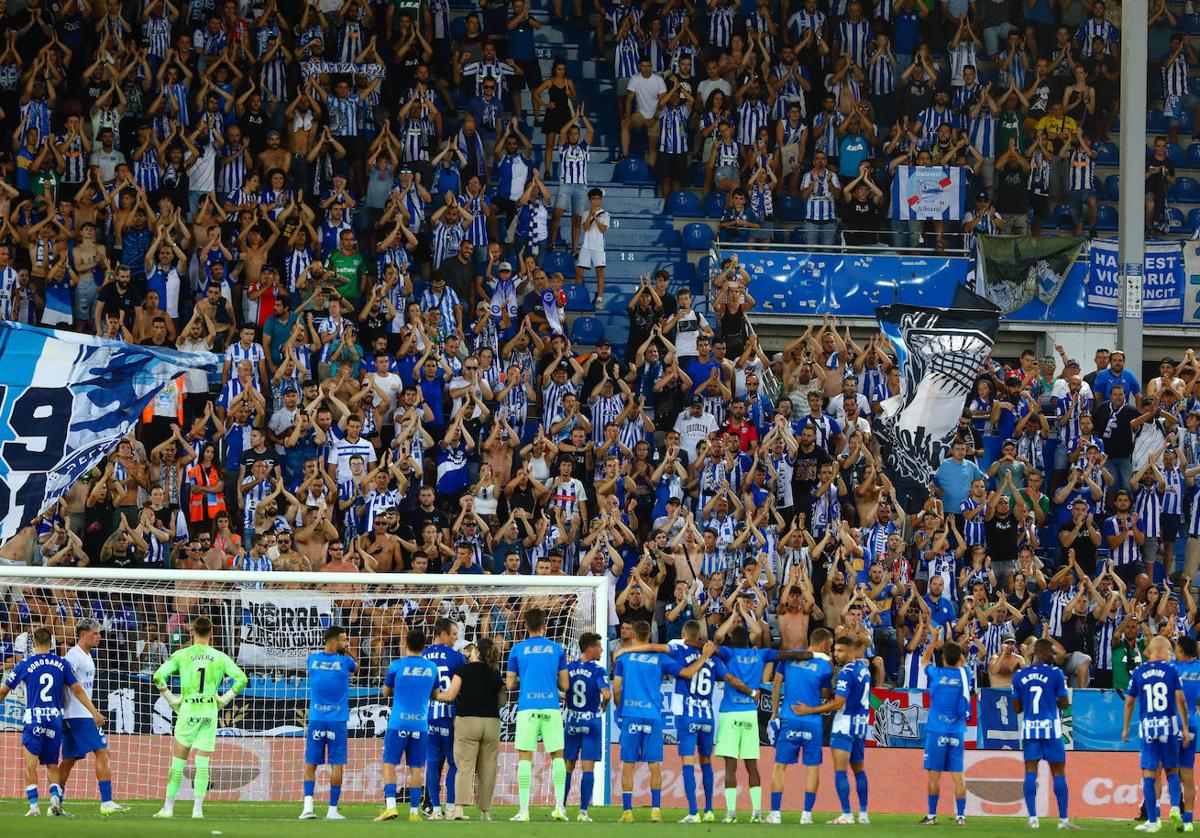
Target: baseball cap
697, 399
1013, 379
1072, 362
273, 133
603, 342
563, 366
777, 358
504, 266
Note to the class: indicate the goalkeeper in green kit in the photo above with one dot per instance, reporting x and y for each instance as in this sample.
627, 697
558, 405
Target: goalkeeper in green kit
201, 669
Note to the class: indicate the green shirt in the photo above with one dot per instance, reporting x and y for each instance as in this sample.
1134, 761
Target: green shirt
1124, 661
349, 270
201, 668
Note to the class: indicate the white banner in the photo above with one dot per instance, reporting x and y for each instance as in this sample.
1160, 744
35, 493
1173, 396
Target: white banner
278, 631
929, 193
1191, 282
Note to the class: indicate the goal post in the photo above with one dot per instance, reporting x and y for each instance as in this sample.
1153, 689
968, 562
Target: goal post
269, 622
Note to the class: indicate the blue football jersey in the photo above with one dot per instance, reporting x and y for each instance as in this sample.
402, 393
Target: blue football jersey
412, 680
694, 696
45, 677
949, 700
537, 662
641, 675
749, 665
587, 682
1189, 679
1038, 688
447, 660
329, 687
853, 684
1153, 684
804, 683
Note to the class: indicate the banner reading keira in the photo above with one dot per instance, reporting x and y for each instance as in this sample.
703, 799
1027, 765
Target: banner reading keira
1016, 269
280, 630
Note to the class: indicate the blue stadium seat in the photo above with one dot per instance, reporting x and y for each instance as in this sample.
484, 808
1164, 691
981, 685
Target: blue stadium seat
579, 298
796, 237
1186, 189
1059, 216
559, 260
1106, 154
1176, 154
1191, 23
1193, 218
458, 27
1175, 220
587, 330
697, 236
1156, 123
684, 203
1191, 157
633, 171
714, 204
1106, 217
790, 207
1112, 187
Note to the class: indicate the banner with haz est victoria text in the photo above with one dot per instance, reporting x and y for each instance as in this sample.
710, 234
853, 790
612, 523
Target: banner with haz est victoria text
1162, 283
278, 631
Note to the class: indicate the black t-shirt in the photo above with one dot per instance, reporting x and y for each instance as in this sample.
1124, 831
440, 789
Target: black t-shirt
433, 516
1115, 431
1012, 190
595, 373
1000, 535
1076, 633
861, 217
916, 96
115, 299
250, 457
632, 615
254, 129
1157, 182
480, 691
805, 465
1085, 550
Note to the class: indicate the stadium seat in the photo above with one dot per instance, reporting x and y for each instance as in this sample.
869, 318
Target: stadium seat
714, 204
1193, 218
796, 237
697, 236
790, 207
1175, 219
1176, 155
633, 171
587, 330
559, 260
579, 298
1112, 187
1191, 23
1106, 217
1059, 215
1186, 189
1156, 123
1106, 154
683, 203
1191, 157
458, 27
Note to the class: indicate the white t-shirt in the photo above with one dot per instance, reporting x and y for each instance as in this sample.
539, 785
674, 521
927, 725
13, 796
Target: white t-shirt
593, 239
693, 430
390, 384
85, 673
340, 452
646, 92
687, 330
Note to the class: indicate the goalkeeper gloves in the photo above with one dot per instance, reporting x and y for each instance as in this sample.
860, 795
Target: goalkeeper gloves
224, 698
173, 701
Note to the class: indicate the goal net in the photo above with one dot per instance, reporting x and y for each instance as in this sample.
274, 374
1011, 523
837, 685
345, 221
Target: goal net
269, 628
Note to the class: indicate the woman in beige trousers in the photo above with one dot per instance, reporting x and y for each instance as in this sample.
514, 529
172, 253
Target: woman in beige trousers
477, 689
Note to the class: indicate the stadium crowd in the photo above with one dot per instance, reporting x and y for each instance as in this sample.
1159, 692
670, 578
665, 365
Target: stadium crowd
344, 201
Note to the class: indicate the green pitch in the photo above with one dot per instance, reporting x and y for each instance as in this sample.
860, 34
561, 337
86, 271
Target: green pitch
232, 820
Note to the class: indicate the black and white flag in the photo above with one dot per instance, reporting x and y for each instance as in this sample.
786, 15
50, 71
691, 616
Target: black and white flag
940, 352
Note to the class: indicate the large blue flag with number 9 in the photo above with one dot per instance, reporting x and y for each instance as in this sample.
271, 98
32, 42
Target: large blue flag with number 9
66, 400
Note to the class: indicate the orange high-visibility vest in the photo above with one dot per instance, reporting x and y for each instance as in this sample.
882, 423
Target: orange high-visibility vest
178, 383
199, 476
